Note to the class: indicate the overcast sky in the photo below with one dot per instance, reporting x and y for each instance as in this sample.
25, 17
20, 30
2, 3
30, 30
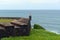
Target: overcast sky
29, 4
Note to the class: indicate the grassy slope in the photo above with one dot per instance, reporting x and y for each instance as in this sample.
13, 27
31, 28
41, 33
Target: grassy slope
37, 34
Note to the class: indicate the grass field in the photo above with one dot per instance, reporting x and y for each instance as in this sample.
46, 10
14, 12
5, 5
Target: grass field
37, 34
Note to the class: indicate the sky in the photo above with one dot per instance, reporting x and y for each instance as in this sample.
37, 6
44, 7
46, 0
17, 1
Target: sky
29, 4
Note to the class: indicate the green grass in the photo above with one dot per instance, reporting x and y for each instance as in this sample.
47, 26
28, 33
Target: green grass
5, 20
37, 34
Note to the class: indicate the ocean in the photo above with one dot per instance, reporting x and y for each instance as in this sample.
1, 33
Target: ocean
49, 19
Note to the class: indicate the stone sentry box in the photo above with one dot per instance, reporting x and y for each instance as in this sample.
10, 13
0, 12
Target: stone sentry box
19, 27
